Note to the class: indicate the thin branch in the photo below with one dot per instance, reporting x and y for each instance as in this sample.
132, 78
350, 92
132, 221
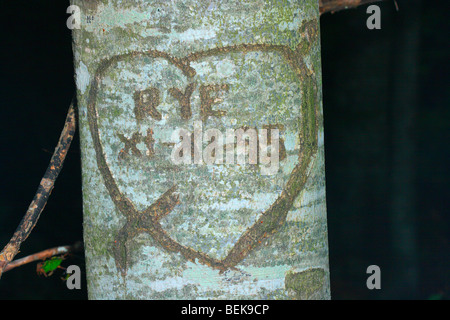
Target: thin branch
337, 5
43, 192
45, 254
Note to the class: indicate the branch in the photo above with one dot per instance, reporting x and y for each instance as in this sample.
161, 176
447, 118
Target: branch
43, 192
337, 5
44, 255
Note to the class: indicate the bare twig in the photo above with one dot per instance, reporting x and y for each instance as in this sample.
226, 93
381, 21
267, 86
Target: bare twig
43, 192
337, 5
45, 254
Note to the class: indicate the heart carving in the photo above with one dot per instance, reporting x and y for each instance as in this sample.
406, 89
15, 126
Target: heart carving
269, 221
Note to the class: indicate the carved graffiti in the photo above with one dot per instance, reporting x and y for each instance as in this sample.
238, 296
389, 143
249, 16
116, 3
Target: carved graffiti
146, 105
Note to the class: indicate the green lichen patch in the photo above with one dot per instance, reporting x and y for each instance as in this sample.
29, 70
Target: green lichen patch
302, 285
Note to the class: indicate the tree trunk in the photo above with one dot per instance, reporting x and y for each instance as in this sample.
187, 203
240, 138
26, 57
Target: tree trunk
202, 149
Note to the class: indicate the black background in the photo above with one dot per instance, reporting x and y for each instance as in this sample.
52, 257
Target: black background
387, 181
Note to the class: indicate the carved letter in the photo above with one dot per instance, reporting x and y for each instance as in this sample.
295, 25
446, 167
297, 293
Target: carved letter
207, 101
184, 99
146, 102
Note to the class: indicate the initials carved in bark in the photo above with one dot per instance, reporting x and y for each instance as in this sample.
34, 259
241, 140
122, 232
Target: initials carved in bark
146, 102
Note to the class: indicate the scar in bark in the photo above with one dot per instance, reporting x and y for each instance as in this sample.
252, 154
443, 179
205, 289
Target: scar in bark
207, 101
146, 102
130, 145
142, 221
184, 98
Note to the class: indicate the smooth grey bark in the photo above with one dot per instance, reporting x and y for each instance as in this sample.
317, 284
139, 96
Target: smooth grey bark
155, 229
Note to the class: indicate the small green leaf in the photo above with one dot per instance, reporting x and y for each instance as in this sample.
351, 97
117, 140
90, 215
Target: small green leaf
51, 264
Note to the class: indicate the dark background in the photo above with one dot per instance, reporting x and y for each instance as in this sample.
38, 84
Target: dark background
386, 105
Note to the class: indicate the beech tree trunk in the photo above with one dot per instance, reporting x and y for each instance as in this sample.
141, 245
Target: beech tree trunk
155, 228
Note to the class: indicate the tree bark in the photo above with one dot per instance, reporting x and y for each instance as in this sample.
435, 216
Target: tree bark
158, 229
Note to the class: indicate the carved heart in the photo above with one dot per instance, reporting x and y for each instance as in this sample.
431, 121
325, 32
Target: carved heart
148, 220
